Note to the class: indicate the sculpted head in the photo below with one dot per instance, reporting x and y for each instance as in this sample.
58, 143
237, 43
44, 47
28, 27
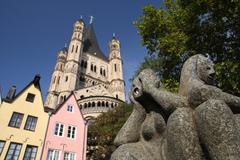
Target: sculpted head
143, 82
205, 70
197, 67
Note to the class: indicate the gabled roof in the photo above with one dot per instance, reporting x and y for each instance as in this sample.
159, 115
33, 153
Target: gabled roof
90, 43
62, 104
35, 82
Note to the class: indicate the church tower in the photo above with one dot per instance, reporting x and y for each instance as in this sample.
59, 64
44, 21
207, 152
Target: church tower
54, 87
82, 68
116, 71
70, 75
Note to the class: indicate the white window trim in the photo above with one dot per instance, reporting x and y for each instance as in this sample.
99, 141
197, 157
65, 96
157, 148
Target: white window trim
69, 154
59, 153
71, 132
72, 108
58, 129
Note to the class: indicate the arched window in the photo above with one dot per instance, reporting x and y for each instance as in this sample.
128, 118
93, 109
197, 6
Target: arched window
101, 71
106, 104
116, 96
82, 96
93, 104
91, 67
72, 48
54, 79
66, 79
112, 105
103, 104
58, 80
80, 106
85, 65
85, 105
93, 83
64, 97
76, 49
95, 68
104, 73
115, 67
89, 104
98, 104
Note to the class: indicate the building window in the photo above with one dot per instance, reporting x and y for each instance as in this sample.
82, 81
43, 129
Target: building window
69, 156
30, 153
53, 154
95, 69
58, 80
104, 73
85, 65
91, 67
30, 97
2, 143
101, 71
54, 79
76, 49
66, 79
13, 151
71, 132
31, 123
59, 129
70, 108
16, 120
72, 48
115, 67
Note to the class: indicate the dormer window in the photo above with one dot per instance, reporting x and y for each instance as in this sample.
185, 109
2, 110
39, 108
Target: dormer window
30, 97
70, 108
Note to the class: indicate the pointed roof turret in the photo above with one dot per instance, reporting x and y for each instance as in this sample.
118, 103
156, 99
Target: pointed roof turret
90, 44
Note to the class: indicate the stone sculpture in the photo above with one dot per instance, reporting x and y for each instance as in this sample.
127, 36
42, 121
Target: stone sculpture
198, 123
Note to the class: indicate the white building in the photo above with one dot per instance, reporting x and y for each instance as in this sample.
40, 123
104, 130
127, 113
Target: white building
82, 68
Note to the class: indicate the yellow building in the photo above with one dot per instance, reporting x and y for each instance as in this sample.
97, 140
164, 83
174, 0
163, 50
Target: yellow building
23, 123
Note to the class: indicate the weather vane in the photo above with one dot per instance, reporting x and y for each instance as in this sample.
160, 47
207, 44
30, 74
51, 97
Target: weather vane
91, 19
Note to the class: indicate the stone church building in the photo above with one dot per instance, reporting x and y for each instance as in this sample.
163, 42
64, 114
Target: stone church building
82, 68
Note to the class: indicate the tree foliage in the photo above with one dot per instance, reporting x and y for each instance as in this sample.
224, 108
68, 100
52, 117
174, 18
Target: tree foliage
103, 131
182, 28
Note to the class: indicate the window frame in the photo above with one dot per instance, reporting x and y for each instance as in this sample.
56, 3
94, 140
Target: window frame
72, 134
1, 148
68, 106
69, 156
14, 151
58, 129
30, 97
54, 151
20, 123
31, 147
31, 123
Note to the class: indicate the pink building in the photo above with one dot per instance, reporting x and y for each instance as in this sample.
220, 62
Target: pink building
67, 133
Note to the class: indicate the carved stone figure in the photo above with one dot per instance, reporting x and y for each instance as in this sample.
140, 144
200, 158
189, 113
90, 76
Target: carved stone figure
213, 109
142, 136
201, 119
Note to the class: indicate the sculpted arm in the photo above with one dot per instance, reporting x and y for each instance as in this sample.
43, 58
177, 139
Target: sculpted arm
150, 86
200, 93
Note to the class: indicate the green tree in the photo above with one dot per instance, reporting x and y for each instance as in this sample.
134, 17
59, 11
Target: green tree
103, 131
182, 28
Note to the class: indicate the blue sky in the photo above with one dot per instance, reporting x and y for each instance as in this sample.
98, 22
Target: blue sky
32, 32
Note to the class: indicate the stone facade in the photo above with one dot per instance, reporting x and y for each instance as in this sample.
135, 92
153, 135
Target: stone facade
82, 68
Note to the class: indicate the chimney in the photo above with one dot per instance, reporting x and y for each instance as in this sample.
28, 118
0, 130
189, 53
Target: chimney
11, 93
36, 79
